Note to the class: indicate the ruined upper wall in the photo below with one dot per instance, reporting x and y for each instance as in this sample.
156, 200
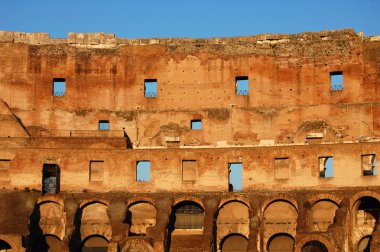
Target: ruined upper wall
108, 40
289, 85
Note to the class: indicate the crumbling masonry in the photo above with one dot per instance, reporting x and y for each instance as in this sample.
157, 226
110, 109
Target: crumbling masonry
259, 143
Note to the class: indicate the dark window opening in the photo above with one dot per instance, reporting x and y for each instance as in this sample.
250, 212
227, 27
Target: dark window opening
59, 87
242, 85
326, 167
104, 125
369, 165
150, 88
50, 178
196, 124
143, 171
235, 177
336, 81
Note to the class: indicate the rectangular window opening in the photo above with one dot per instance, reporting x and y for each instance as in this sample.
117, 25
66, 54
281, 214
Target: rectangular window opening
242, 86
326, 168
59, 87
196, 124
336, 81
369, 164
50, 178
104, 125
150, 88
189, 170
235, 177
96, 171
143, 171
281, 168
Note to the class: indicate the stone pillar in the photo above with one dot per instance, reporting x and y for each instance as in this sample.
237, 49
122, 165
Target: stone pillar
304, 217
72, 239
116, 214
254, 226
158, 231
112, 246
211, 207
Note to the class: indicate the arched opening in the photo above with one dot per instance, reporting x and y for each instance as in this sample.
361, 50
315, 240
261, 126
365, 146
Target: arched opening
95, 243
280, 216
233, 218
4, 246
314, 246
46, 243
185, 224
140, 216
364, 244
322, 214
280, 243
234, 243
367, 211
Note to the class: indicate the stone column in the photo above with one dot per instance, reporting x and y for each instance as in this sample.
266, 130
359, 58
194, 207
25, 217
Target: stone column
211, 207
72, 235
158, 231
254, 226
304, 217
116, 213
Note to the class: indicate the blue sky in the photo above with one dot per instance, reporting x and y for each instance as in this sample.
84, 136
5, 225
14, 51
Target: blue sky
195, 18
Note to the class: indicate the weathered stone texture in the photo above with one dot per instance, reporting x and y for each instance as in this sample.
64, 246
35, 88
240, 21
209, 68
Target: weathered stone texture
282, 130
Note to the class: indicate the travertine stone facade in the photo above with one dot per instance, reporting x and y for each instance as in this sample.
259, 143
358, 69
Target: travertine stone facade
181, 144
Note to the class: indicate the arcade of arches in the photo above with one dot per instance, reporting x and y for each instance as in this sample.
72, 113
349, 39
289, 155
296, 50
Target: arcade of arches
233, 224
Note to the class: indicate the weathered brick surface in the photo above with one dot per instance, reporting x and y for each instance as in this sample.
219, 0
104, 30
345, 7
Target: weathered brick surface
290, 113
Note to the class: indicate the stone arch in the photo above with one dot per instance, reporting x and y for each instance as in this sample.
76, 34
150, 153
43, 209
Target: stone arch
280, 216
188, 199
235, 198
326, 196
94, 243
140, 216
185, 222
314, 246
85, 203
233, 217
361, 194
5, 246
141, 199
314, 237
137, 244
234, 242
47, 243
52, 218
365, 217
364, 244
322, 214
268, 202
280, 242
94, 220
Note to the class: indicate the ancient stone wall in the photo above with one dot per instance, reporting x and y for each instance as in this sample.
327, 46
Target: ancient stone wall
72, 160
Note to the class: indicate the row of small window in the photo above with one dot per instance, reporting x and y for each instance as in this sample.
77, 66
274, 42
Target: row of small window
241, 83
194, 124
